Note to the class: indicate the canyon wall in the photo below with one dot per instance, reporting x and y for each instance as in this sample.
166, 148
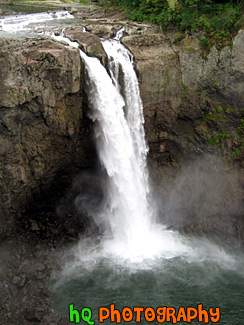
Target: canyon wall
194, 109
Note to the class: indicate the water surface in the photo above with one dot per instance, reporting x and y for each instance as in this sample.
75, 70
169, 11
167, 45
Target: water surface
212, 276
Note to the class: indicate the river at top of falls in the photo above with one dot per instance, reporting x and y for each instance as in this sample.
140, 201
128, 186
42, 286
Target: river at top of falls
29, 24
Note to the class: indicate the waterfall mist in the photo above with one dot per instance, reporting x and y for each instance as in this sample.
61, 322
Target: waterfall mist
204, 196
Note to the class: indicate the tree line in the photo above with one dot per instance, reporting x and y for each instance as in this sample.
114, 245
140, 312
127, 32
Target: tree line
218, 19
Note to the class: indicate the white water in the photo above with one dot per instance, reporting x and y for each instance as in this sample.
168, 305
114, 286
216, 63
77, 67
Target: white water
15, 23
170, 270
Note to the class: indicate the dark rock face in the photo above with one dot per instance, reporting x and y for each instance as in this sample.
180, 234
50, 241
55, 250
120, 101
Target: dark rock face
42, 128
24, 296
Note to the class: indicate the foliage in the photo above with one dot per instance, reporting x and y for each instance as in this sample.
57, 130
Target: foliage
219, 109
204, 42
218, 137
219, 20
236, 153
240, 128
4, 124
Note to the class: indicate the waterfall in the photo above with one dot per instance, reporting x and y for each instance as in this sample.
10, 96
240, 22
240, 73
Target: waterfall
121, 65
121, 144
117, 112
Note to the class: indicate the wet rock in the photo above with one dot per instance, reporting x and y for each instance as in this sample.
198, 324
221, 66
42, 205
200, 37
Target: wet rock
48, 320
89, 43
19, 281
64, 321
34, 226
106, 31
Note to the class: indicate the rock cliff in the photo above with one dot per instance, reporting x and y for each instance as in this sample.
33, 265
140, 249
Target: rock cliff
193, 100
193, 107
43, 130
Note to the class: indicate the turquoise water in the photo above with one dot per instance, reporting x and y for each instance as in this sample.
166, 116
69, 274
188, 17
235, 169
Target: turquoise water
174, 282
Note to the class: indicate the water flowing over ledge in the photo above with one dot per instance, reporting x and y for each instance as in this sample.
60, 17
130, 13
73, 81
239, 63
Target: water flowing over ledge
127, 217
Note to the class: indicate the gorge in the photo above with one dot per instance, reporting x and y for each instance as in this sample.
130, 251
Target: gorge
192, 105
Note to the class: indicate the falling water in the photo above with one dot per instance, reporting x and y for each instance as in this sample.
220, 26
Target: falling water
129, 231
126, 218
122, 148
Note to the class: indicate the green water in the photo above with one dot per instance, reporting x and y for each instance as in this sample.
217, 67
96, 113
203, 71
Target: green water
173, 282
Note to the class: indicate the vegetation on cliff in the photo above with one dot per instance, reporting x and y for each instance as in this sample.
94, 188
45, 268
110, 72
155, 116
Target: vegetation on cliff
219, 20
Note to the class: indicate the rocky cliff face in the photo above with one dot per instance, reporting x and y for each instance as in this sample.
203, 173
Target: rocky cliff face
43, 131
193, 100
192, 105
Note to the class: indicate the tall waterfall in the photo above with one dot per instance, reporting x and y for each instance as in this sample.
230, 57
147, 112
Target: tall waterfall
121, 145
130, 232
135, 262
127, 216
